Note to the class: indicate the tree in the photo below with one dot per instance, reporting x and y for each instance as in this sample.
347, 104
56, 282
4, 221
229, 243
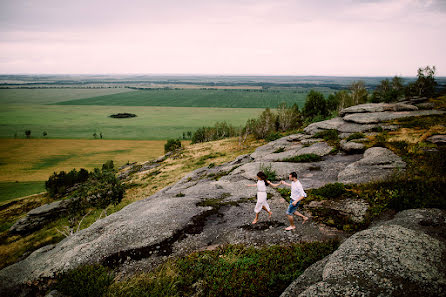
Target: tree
358, 92
44, 134
315, 105
388, 91
288, 117
95, 135
425, 83
333, 102
28, 133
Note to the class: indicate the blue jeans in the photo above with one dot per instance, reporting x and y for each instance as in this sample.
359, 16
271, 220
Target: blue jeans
291, 208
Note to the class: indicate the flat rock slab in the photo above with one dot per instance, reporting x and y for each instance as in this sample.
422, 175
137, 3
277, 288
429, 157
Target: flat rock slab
318, 148
437, 139
401, 257
338, 124
378, 117
377, 107
377, 164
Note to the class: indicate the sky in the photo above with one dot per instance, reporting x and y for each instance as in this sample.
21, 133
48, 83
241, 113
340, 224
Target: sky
233, 37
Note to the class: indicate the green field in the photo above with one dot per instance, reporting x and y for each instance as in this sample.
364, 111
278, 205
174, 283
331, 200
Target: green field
80, 122
10, 190
48, 96
198, 98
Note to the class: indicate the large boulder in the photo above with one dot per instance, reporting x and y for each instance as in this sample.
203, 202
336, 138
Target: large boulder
377, 163
400, 257
38, 217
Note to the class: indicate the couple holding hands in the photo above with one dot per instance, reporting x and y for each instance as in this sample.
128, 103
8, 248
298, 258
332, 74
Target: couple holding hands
297, 194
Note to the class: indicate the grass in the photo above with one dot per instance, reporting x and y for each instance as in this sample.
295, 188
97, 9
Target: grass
81, 122
303, 158
48, 96
233, 270
196, 98
27, 160
357, 135
11, 190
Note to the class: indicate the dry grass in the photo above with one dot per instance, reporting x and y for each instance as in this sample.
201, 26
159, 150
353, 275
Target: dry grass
37, 159
415, 135
173, 169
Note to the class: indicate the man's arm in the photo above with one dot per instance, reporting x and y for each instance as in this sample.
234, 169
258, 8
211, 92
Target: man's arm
285, 183
297, 200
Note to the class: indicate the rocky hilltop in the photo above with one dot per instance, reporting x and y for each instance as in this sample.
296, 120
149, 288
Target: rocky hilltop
213, 206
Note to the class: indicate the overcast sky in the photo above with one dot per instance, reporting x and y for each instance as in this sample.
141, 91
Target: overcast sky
264, 37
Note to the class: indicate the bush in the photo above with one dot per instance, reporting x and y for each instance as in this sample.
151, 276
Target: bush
357, 135
172, 145
88, 280
58, 183
270, 173
328, 135
330, 190
273, 136
303, 158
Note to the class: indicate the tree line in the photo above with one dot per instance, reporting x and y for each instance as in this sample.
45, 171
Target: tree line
271, 123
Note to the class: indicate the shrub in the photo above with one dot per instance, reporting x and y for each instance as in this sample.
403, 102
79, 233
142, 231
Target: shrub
88, 280
58, 183
273, 136
270, 173
328, 135
303, 158
357, 135
172, 145
330, 190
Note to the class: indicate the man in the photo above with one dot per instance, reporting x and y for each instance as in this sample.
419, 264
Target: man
297, 194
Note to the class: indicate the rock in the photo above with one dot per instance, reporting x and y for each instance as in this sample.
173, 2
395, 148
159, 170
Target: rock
54, 293
38, 217
377, 163
437, 139
352, 147
425, 105
401, 257
337, 124
354, 209
378, 117
377, 107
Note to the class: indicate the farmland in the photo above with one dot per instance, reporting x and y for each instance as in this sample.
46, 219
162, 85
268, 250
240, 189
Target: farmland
81, 122
226, 98
36, 159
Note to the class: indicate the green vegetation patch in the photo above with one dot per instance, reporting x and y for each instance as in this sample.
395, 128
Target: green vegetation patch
196, 98
356, 135
11, 190
232, 270
88, 280
330, 136
303, 158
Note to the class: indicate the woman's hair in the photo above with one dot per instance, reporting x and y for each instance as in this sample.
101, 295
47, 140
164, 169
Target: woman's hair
261, 175
293, 174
